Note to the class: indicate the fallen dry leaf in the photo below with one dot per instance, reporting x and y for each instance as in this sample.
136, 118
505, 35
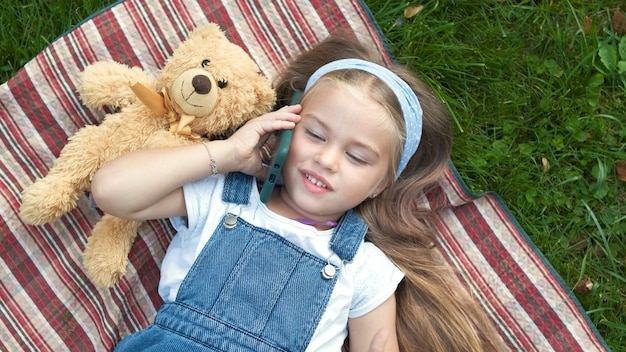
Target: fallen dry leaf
587, 25
583, 286
411, 11
621, 170
546, 164
580, 243
619, 22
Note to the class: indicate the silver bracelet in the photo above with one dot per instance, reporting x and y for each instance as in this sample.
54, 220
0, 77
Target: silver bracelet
212, 161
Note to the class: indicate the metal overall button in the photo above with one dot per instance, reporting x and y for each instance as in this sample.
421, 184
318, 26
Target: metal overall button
230, 221
329, 271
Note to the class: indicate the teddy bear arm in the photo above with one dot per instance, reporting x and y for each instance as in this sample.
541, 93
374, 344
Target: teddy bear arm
106, 83
69, 177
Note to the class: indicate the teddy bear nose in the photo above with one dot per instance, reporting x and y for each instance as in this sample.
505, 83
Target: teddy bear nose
201, 84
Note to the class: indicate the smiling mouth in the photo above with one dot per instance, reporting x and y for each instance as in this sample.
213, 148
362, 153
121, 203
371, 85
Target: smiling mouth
315, 181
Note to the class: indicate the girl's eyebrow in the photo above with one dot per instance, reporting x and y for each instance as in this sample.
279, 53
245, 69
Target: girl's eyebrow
368, 148
311, 116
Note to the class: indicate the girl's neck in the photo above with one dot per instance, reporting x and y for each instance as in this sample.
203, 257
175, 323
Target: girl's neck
277, 205
317, 224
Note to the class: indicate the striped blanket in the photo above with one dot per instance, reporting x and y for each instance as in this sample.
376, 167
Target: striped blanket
46, 301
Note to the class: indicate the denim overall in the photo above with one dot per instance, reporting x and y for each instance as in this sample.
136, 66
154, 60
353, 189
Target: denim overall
249, 289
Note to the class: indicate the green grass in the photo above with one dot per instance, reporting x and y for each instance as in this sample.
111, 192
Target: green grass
538, 100
27, 27
527, 88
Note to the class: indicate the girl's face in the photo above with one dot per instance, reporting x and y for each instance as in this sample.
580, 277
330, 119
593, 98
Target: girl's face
340, 153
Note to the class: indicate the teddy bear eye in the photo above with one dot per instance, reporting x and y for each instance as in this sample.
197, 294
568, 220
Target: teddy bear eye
206, 62
222, 83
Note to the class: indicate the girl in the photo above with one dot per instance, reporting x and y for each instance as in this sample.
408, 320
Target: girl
296, 274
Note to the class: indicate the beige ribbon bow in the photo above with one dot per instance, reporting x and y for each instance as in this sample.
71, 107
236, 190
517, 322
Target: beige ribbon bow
161, 105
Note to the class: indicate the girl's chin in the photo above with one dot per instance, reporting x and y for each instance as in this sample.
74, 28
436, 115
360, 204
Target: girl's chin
306, 203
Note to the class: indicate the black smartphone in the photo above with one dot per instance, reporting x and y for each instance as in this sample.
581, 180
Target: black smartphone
278, 158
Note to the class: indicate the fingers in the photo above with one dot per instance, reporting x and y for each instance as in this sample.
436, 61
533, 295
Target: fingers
281, 119
285, 116
266, 151
291, 108
247, 140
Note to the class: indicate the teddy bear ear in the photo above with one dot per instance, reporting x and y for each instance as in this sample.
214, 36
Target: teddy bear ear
208, 31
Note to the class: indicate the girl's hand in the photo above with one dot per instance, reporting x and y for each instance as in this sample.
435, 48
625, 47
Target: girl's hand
248, 140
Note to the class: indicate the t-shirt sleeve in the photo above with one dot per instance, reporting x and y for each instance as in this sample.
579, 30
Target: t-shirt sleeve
196, 196
185, 245
375, 279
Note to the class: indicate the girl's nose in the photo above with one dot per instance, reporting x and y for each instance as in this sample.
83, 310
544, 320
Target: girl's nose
328, 158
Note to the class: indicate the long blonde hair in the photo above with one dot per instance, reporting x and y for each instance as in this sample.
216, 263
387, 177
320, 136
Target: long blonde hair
434, 313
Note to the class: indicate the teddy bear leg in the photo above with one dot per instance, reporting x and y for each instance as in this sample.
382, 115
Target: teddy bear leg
70, 176
106, 254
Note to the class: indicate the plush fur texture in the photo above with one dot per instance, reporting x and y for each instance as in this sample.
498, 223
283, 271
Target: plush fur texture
232, 92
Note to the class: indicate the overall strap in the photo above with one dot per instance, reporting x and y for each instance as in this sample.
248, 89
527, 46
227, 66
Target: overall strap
237, 187
348, 235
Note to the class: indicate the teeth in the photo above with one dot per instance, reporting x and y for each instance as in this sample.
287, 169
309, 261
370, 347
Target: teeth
315, 181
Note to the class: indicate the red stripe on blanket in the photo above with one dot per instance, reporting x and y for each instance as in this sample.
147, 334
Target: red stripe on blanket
524, 290
476, 278
143, 21
564, 298
458, 194
473, 277
217, 13
284, 21
26, 271
28, 97
262, 38
114, 39
520, 243
18, 323
59, 79
81, 42
294, 17
24, 158
182, 18
82, 54
328, 13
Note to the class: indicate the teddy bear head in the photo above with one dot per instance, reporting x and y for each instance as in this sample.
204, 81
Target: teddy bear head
210, 78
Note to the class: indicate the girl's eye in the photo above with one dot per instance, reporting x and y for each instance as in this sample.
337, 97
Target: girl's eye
357, 159
314, 135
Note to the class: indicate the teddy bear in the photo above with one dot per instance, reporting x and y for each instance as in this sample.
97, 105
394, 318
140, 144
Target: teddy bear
207, 89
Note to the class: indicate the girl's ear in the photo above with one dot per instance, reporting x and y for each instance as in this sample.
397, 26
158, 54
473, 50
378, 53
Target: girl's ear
381, 187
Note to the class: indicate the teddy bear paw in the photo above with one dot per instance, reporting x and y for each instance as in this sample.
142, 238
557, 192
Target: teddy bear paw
105, 277
102, 271
39, 206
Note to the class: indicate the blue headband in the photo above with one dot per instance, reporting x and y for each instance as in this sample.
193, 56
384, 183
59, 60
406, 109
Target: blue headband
411, 109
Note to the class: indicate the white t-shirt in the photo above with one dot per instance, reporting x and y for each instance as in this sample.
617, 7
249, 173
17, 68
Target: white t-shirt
363, 284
